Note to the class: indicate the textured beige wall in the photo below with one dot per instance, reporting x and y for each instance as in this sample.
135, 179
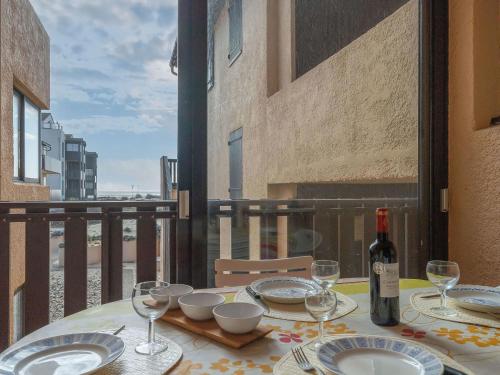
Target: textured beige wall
25, 65
238, 99
474, 162
353, 118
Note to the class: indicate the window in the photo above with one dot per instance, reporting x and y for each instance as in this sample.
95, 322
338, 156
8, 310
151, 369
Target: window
235, 30
89, 172
16, 125
25, 139
72, 147
89, 185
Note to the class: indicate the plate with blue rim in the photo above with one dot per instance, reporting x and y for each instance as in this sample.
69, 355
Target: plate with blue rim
77, 353
476, 297
284, 289
373, 355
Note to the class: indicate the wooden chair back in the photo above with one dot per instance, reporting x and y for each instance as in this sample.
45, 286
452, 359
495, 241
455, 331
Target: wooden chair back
236, 272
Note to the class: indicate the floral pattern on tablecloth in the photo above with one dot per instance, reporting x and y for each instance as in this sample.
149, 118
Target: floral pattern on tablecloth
477, 348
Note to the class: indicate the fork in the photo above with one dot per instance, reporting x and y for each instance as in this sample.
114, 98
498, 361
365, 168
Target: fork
303, 362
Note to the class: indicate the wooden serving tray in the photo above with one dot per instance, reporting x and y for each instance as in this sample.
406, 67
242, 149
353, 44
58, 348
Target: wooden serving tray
210, 329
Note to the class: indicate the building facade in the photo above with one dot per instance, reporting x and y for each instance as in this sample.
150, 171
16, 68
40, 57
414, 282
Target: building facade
75, 168
91, 175
291, 108
53, 157
24, 91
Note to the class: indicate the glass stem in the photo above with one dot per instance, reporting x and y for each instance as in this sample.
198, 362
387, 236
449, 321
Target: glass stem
151, 331
443, 298
320, 335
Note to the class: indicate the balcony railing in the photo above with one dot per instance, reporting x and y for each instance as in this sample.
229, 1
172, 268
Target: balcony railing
340, 229
37, 217
337, 229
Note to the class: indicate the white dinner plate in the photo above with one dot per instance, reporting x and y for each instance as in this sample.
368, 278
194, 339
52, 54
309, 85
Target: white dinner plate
80, 353
476, 297
282, 289
374, 355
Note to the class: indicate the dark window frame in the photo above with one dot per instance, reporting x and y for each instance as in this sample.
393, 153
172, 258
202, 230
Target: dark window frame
235, 51
22, 142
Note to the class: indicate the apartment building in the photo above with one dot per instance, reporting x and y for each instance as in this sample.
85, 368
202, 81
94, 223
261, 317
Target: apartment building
91, 175
53, 156
75, 167
301, 99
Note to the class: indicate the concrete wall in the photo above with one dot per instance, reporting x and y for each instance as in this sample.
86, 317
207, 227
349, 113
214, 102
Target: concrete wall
25, 65
353, 118
474, 146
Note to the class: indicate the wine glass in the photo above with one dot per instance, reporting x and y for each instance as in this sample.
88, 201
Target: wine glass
150, 300
325, 273
444, 275
321, 306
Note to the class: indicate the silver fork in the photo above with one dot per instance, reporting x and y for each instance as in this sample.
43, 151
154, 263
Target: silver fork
303, 362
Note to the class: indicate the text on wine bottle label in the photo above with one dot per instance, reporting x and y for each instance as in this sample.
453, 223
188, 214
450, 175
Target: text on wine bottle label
389, 278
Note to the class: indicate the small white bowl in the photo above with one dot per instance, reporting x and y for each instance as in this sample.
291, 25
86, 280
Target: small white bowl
238, 317
160, 294
176, 291
199, 306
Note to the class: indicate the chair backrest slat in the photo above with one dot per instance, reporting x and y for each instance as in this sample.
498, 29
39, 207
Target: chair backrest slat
248, 271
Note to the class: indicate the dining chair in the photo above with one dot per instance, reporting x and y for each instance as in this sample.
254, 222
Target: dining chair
237, 272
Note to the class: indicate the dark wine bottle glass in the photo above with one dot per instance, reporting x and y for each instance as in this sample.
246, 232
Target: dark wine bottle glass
384, 275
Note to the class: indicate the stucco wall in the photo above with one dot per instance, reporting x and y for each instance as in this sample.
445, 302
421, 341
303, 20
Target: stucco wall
474, 162
25, 65
353, 118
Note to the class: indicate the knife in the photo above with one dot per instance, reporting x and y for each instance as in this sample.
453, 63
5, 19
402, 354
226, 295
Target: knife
257, 298
452, 371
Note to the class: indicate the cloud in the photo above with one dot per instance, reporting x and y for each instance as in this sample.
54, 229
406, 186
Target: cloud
110, 80
143, 123
77, 73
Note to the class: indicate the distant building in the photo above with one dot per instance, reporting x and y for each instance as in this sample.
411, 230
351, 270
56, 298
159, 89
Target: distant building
75, 167
53, 157
91, 175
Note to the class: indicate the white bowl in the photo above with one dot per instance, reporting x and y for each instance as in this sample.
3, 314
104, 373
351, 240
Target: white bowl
238, 317
160, 294
199, 306
176, 291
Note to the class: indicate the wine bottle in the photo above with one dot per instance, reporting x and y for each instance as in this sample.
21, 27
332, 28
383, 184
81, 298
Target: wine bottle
384, 275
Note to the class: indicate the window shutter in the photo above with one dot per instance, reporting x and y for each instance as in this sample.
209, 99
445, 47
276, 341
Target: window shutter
236, 164
235, 29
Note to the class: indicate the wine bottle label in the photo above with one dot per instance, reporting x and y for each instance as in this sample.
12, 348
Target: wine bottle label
389, 278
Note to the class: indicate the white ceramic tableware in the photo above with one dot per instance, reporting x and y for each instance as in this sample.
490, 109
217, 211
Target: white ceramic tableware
283, 289
476, 297
79, 353
373, 355
177, 291
238, 317
160, 295
199, 306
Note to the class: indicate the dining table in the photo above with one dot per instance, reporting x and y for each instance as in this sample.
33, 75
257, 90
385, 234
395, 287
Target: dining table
475, 347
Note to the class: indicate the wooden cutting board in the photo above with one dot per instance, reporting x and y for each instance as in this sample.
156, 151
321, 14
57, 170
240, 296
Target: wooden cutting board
210, 329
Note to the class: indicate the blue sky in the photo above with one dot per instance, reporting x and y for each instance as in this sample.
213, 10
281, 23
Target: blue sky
111, 84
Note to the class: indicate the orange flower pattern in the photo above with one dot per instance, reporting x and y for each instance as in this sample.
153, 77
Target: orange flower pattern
482, 337
225, 365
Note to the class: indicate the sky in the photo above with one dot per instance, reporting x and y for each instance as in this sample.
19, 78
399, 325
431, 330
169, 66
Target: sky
111, 83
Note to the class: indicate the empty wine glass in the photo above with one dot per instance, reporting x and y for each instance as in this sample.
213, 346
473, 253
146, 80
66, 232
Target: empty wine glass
321, 306
325, 273
444, 275
150, 300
